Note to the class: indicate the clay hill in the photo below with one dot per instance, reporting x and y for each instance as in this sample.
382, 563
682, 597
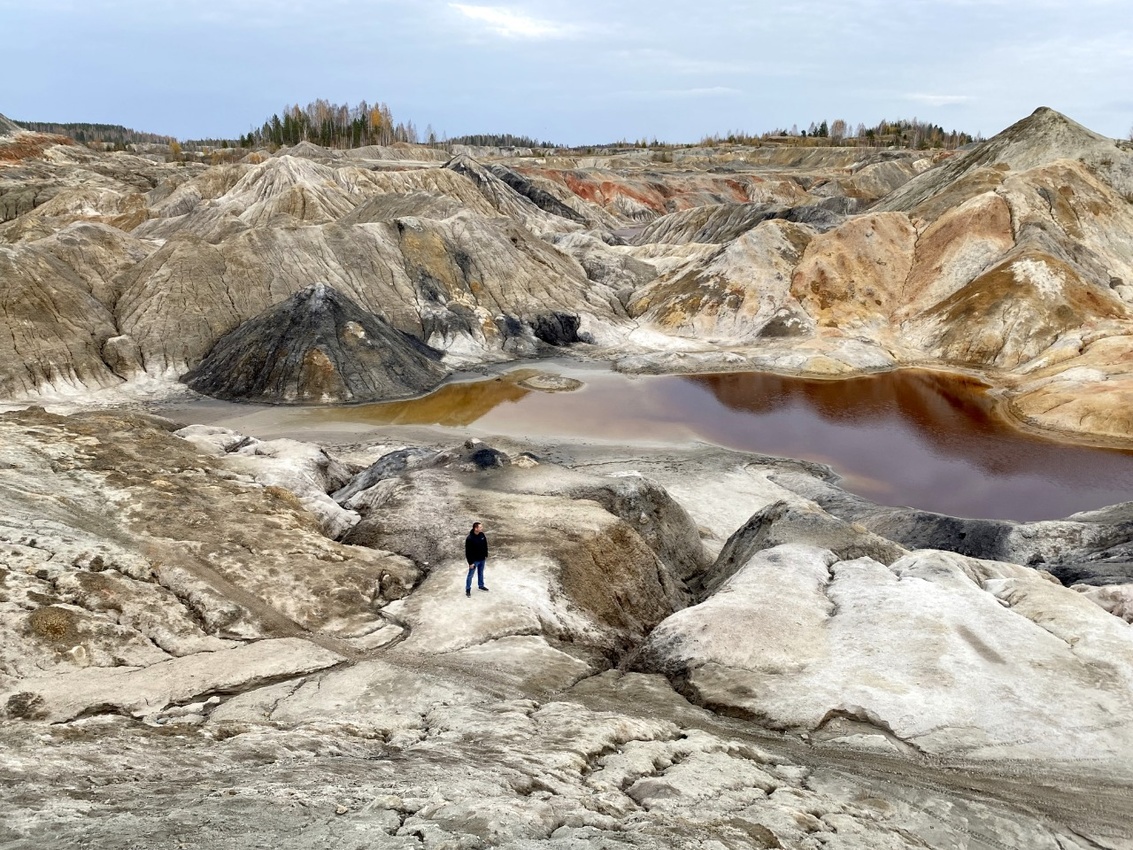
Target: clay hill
9, 128
211, 637
317, 346
1012, 259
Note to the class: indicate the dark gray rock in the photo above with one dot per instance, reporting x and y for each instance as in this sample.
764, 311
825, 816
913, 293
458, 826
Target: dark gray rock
543, 199
318, 346
976, 538
1097, 573
822, 216
479, 455
387, 466
789, 321
556, 328
1090, 540
721, 223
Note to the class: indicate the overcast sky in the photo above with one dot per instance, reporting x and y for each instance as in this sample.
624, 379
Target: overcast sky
569, 72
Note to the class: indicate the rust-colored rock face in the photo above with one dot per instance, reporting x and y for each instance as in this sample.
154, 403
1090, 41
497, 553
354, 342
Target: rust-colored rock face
855, 275
646, 196
23, 145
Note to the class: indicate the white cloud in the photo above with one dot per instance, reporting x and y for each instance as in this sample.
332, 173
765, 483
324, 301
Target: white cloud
510, 23
938, 99
704, 91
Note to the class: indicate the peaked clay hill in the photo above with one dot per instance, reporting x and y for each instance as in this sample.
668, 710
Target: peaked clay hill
218, 635
317, 346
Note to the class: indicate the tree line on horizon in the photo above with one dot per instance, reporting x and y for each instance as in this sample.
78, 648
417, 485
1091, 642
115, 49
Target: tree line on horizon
910, 133
341, 126
113, 136
331, 125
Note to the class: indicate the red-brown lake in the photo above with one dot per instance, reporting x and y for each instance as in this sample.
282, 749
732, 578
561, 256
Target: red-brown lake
918, 438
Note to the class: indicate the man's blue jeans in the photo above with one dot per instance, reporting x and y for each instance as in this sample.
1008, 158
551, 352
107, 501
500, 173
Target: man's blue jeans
477, 568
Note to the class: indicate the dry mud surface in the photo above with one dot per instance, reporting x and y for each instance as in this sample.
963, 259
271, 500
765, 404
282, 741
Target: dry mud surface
187, 656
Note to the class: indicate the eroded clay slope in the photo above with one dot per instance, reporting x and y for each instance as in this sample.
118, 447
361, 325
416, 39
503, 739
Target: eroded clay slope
1013, 259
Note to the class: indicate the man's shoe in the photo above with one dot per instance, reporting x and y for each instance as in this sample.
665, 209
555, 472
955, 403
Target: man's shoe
468, 593
484, 589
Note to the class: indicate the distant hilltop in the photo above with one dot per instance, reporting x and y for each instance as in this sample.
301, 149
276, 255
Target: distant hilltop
8, 127
86, 132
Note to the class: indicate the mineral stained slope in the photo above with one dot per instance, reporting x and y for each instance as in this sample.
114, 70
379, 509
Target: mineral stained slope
1013, 259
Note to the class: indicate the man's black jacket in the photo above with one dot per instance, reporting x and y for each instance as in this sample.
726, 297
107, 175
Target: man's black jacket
475, 547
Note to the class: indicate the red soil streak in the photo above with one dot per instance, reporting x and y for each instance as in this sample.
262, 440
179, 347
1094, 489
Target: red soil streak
612, 190
29, 146
605, 192
660, 195
739, 190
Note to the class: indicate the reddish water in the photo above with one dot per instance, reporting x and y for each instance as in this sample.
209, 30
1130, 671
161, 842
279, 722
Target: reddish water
914, 438
902, 438
905, 438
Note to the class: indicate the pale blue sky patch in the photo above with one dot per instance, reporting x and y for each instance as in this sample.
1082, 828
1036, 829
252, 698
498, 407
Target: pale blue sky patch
937, 99
668, 94
570, 71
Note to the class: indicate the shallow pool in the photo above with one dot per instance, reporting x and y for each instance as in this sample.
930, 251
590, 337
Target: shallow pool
918, 438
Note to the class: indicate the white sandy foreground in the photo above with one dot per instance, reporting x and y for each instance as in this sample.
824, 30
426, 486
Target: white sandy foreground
632, 678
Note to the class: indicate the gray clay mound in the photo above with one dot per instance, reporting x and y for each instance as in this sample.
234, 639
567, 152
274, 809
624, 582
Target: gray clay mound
317, 347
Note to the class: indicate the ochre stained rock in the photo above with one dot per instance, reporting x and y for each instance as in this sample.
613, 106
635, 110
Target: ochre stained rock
855, 275
1014, 312
955, 249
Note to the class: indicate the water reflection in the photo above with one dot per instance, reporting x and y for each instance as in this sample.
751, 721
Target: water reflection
453, 405
914, 438
951, 415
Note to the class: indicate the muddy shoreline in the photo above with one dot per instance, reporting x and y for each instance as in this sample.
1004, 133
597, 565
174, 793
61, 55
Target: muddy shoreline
927, 426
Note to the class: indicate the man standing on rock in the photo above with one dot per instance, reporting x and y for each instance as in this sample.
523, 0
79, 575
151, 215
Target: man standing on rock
476, 553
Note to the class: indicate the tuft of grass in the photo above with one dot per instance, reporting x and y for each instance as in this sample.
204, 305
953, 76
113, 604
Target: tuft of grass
25, 706
282, 494
54, 624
